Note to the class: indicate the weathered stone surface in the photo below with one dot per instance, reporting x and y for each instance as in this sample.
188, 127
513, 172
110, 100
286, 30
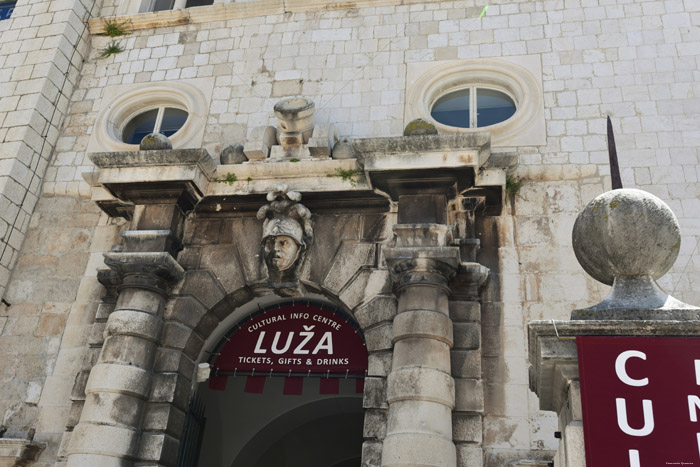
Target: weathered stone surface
155, 141
223, 262
101, 409
329, 233
129, 321
258, 145
348, 259
466, 428
172, 388
168, 360
469, 395
119, 379
343, 150
375, 424
124, 350
465, 311
164, 418
97, 439
416, 416
186, 310
626, 232
467, 336
418, 449
419, 127
378, 338
422, 352
375, 393
203, 286
469, 456
379, 363
423, 324
381, 308
421, 384
323, 140
371, 453
232, 154
19, 452
466, 364
175, 335
159, 448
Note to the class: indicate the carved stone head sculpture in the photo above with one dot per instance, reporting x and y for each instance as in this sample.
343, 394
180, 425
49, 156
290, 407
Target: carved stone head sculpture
287, 232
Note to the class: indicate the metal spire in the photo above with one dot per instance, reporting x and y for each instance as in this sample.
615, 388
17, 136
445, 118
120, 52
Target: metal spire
612, 153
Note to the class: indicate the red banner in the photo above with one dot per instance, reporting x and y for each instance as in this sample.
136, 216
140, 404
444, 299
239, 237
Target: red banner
297, 339
641, 400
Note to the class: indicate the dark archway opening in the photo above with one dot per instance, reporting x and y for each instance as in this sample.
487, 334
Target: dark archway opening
277, 430
286, 390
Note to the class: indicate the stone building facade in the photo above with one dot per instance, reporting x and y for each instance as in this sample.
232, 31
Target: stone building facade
441, 247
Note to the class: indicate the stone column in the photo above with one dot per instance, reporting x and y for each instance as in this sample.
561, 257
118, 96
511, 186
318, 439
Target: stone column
119, 384
421, 391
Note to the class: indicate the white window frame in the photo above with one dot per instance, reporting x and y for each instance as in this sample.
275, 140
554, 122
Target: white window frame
518, 77
121, 103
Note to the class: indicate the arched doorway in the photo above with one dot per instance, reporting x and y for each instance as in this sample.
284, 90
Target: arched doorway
286, 389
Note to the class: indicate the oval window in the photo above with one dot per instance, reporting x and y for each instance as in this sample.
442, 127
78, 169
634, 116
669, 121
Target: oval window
473, 108
164, 120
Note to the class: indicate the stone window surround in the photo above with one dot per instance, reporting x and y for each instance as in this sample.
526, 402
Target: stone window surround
123, 102
518, 77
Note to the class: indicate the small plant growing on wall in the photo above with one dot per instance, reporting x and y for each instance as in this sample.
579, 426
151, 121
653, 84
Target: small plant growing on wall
112, 48
229, 179
114, 28
350, 175
512, 185
512, 188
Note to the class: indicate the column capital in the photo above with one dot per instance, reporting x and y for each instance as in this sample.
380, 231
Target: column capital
156, 271
422, 266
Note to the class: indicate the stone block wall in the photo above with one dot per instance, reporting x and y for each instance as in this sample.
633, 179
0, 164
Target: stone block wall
42, 48
636, 61
45, 324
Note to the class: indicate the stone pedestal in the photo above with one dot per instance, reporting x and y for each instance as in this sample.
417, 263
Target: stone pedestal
119, 384
554, 374
421, 390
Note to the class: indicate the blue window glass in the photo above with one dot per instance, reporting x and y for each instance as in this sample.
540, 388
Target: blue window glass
473, 108
492, 107
140, 126
453, 109
173, 119
6, 9
164, 120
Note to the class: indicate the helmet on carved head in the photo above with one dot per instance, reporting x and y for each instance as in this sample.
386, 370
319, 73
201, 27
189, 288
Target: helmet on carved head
283, 225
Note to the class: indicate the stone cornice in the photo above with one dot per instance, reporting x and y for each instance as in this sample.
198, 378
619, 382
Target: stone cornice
448, 164
228, 11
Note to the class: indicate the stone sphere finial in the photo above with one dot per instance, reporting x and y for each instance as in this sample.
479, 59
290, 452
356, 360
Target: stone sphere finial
626, 233
155, 141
